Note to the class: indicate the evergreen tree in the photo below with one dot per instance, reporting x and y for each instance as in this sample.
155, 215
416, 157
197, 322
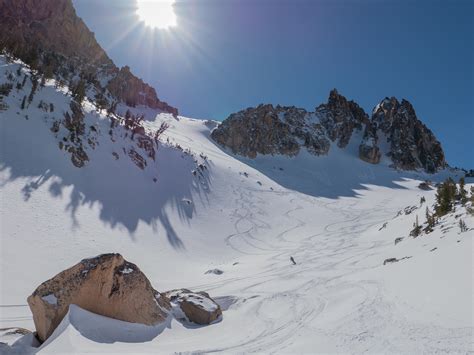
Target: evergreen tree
34, 86
445, 196
79, 91
416, 231
23, 103
462, 191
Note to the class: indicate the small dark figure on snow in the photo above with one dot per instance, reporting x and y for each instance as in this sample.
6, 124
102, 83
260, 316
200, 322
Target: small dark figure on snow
292, 260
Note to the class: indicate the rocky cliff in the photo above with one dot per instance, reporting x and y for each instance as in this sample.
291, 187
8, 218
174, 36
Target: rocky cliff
266, 129
50, 37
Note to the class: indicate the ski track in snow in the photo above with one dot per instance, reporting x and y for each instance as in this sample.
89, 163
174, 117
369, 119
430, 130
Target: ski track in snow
337, 298
368, 328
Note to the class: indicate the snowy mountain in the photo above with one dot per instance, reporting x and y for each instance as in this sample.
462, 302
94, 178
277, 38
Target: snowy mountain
86, 169
393, 131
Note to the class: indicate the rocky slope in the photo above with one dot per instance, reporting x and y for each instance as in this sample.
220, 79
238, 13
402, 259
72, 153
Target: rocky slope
49, 36
286, 130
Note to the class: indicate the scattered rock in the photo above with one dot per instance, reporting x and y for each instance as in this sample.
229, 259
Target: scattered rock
137, 158
434, 249
146, 143
426, 186
383, 226
390, 260
398, 240
198, 307
215, 272
79, 157
107, 285
408, 210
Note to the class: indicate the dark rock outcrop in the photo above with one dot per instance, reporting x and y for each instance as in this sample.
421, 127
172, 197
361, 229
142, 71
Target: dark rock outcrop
412, 144
137, 159
271, 130
341, 117
266, 129
107, 285
368, 149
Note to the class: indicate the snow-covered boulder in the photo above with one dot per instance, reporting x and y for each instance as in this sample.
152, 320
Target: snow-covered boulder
107, 285
198, 307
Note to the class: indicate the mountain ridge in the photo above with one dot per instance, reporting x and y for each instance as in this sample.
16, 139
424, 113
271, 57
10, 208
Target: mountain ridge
50, 37
268, 129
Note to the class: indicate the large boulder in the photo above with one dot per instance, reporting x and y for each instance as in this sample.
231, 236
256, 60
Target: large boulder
107, 285
198, 307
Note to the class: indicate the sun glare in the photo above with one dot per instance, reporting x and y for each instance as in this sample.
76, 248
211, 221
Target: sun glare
157, 13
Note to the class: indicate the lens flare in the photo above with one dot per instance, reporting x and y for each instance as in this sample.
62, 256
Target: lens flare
157, 13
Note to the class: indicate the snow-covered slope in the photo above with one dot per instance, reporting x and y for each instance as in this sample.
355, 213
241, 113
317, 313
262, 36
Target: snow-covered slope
244, 217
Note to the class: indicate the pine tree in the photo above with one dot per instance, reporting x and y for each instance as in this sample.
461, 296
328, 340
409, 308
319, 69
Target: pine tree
462, 191
445, 196
416, 231
34, 86
23, 103
79, 91
462, 226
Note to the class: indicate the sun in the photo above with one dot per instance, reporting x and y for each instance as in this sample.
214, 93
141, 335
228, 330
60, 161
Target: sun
157, 13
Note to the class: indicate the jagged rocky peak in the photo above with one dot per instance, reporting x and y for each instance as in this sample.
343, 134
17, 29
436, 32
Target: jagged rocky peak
412, 144
341, 117
266, 129
50, 37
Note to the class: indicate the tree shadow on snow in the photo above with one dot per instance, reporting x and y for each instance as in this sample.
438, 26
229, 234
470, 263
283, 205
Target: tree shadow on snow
123, 194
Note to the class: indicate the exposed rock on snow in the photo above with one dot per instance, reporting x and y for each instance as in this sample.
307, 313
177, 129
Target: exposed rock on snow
215, 271
107, 285
390, 260
286, 130
368, 149
198, 307
341, 117
137, 158
412, 144
425, 185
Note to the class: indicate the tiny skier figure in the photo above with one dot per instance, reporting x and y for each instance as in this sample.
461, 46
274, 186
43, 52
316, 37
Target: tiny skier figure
292, 260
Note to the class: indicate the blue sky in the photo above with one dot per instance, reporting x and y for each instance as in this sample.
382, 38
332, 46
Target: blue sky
226, 55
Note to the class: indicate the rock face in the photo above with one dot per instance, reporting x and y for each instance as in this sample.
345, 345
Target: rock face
133, 91
341, 117
36, 23
198, 307
412, 144
368, 149
271, 130
286, 130
48, 35
107, 285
